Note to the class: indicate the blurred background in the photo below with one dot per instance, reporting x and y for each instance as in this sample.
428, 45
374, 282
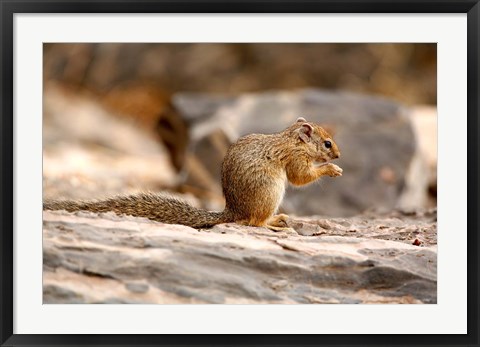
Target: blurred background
122, 118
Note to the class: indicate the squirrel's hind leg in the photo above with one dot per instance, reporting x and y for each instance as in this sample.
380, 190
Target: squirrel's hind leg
279, 220
275, 223
279, 223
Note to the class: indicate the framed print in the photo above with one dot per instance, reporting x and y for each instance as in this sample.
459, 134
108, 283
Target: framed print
251, 173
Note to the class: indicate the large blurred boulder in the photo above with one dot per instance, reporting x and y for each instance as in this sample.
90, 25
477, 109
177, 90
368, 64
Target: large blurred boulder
382, 167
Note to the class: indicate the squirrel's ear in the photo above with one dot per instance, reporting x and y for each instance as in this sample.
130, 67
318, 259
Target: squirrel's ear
305, 132
301, 120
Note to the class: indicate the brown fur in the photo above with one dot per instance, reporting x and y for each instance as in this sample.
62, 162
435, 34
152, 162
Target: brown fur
255, 172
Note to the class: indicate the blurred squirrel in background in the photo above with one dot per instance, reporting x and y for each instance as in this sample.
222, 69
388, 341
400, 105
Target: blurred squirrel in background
255, 172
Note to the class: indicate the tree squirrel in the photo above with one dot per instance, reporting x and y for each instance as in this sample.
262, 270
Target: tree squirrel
255, 172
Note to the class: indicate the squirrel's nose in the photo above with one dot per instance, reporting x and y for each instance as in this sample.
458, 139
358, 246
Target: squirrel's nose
336, 155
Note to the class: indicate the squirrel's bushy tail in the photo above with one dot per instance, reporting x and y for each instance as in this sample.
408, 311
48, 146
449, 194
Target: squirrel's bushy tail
157, 207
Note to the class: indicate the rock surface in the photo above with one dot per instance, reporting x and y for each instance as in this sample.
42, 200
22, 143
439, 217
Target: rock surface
382, 165
90, 258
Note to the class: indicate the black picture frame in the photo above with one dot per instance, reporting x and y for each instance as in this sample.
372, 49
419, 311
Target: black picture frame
10, 7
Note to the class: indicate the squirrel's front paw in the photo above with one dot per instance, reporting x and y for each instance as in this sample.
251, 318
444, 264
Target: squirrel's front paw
334, 170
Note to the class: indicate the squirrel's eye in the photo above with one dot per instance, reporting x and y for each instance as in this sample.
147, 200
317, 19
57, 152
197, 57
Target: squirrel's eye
328, 144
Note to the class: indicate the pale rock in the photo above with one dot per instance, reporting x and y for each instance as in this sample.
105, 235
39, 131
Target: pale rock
105, 258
